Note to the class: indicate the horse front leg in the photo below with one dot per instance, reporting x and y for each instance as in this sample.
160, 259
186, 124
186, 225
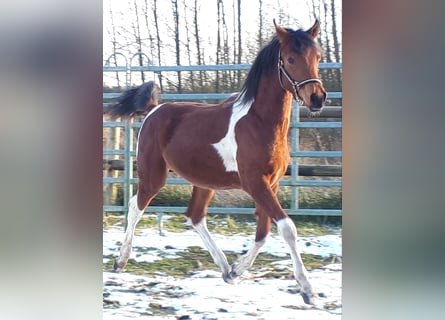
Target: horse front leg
286, 228
196, 212
265, 197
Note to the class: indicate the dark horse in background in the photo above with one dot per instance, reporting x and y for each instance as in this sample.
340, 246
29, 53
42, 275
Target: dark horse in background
240, 143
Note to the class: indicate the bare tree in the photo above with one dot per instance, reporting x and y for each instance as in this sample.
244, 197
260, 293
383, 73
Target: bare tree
148, 26
137, 35
336, 44
218, 43
158, 39
226, 80
260, 29
240, 50
177, 44
187, 44
222, 48
112, 34
326, 33
198, 42
337, 85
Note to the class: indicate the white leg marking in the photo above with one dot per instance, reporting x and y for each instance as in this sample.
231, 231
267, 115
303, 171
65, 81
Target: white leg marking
288, 231
133, 217
216, 253
227, 146
246, 261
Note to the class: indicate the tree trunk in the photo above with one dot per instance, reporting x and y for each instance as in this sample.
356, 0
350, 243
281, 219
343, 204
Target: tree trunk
137, 35
177, 44
336, 45
158, 40
114, 44
187, 46
198, 43
260, 29
218, 44
150, 37
328, 48
225, 53
240, 47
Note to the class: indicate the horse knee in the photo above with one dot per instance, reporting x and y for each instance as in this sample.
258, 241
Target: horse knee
286, 228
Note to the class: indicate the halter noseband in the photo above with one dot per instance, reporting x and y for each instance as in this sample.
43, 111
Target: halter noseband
295, 84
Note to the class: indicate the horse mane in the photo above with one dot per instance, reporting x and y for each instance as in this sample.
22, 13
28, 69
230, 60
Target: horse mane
267, 60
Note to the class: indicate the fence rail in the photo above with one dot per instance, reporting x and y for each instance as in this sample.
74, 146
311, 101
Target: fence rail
203, 96
127, 164
303, 170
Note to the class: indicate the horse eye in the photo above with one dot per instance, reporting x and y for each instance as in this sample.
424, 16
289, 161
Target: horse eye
291, 60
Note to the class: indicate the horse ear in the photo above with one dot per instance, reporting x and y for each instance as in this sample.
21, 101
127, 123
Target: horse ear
314, 30
282, 34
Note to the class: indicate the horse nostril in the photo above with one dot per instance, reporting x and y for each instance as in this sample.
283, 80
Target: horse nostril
317, 100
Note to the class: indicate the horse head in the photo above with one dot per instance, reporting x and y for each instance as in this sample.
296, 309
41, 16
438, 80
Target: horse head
298, 60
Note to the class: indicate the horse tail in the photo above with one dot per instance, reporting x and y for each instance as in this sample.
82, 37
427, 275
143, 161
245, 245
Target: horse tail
136, 100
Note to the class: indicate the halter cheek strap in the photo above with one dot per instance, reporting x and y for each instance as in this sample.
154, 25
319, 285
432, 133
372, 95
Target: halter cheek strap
296, 86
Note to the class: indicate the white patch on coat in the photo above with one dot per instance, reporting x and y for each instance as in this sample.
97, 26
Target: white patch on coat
227, 146
143, 122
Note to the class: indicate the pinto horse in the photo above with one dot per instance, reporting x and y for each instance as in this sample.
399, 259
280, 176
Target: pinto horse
240, 143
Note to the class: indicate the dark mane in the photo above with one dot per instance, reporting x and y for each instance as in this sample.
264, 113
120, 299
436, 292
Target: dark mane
263, 64
267, 60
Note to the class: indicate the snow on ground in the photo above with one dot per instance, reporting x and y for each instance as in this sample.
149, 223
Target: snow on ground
204, 295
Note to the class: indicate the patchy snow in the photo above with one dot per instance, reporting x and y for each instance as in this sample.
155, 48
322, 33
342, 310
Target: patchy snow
204, 295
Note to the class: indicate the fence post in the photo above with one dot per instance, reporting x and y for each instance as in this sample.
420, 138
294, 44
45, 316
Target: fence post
295, 143
128, 162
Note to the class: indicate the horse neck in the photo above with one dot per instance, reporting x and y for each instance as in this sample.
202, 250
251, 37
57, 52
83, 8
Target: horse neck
273, 104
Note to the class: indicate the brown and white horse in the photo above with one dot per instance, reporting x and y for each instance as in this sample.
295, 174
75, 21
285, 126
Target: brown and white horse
239, 143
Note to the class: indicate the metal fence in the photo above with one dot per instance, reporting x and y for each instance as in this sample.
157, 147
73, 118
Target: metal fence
131, 127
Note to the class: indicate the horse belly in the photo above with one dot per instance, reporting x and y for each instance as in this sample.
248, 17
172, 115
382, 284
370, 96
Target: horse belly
202, 167
214, 181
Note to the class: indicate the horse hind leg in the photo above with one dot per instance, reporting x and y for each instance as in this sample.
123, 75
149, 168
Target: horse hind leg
196, 212
133, 217
149, 187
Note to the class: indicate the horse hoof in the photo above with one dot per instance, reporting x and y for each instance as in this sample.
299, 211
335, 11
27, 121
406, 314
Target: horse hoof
118, 268
230, 277
308, 299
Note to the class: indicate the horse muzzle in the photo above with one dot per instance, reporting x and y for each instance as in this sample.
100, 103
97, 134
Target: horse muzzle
316, 102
